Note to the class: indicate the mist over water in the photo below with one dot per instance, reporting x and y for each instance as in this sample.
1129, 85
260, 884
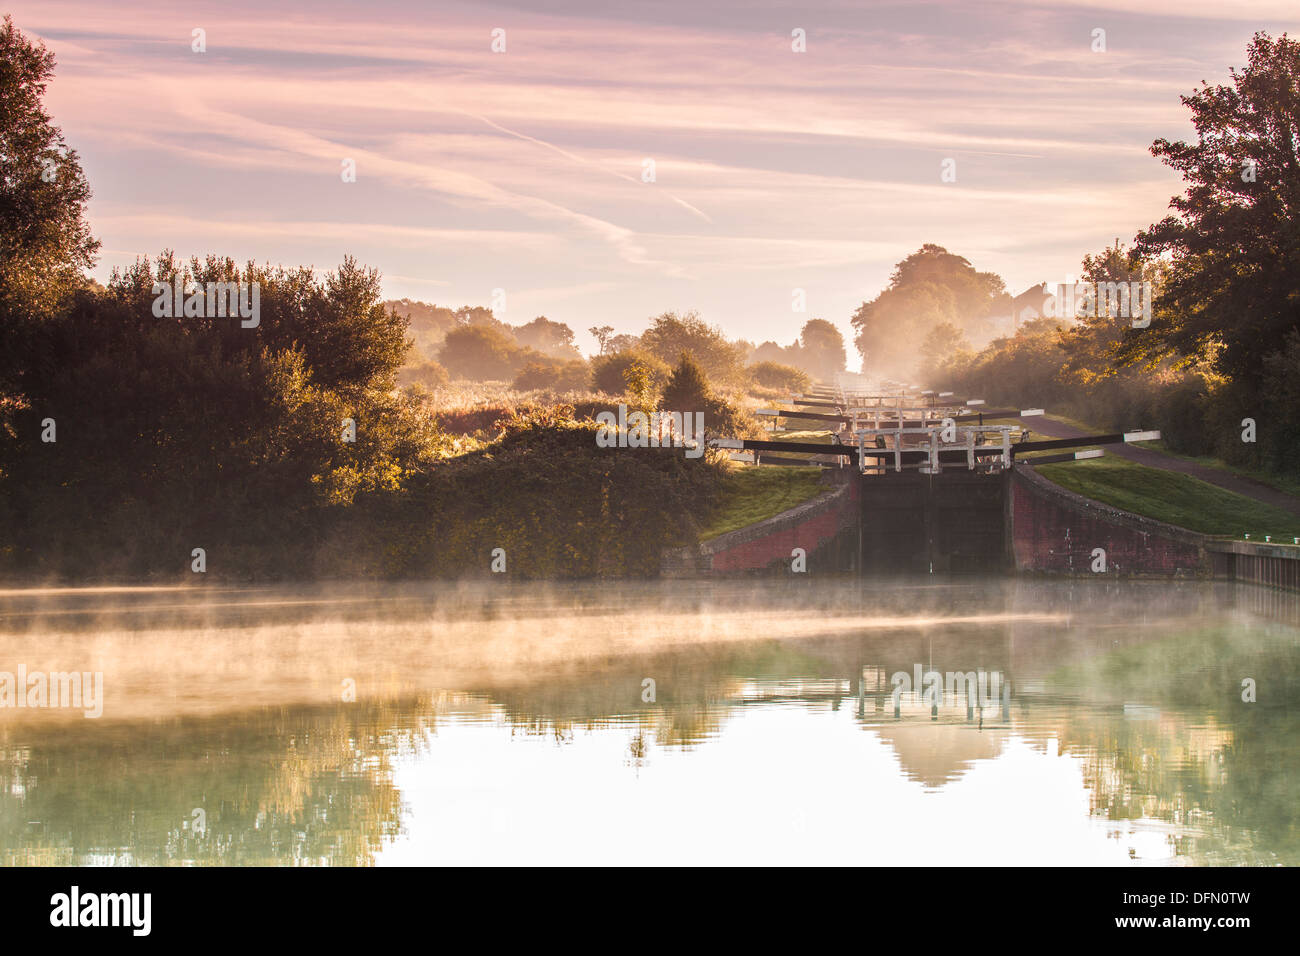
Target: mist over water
667, 722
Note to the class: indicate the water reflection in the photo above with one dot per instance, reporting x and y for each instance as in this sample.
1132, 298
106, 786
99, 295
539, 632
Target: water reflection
503, 725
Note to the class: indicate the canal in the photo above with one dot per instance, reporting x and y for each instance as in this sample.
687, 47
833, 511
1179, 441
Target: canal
676, 722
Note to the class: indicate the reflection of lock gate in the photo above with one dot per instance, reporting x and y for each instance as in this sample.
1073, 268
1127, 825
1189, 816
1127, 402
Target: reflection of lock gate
975, 689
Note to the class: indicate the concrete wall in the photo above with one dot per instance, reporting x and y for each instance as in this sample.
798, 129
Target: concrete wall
821, 527
1054, 530
1256, 562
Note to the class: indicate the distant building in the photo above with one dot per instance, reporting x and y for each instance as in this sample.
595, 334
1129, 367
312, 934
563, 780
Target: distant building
1021, 308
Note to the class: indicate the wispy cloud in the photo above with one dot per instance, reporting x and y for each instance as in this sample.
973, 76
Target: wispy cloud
774, 169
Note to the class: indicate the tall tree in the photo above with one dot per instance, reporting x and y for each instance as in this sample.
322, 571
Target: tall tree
930, 287
601, 334
45, 242
551, 338
1233, 288
671, 334
821, 349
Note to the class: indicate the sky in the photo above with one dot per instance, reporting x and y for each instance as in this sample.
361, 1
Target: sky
518, 179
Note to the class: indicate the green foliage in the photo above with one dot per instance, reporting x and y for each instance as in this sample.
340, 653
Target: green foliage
750, 495
778, 376
1231, 293
180, 433
481, 353
944, 343
45, 242
574, 510
670, 335
687, 389
637, 383
1171, 497
556, 376
427, 324
427, 373
821, 349
607, 371
44, 238
550, 338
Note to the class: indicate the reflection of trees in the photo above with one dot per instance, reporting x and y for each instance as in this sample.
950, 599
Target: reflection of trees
1224, 789
1229, 774
303, 786
316, 785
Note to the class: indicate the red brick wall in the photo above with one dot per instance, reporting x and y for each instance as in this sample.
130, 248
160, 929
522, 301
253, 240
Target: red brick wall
777, 545
1054, 530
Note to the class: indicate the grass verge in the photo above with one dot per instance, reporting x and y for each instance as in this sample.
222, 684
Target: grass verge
750, 495
1173, 498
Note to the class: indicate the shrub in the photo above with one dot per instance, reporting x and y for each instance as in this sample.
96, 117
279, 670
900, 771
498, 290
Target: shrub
607, 371
481, 353
566, 514
427, 373
670, 334
556, 376
778, 376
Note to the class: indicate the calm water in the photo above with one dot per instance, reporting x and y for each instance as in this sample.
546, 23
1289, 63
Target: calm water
665, 723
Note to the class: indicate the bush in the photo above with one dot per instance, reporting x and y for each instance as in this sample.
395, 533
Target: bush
567, 514
688, 391
427, 373
670, 334
783, 377
481, 353
607, 371
557, 376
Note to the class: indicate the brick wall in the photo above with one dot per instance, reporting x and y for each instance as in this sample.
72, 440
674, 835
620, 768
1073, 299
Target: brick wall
1055, 530
811, 525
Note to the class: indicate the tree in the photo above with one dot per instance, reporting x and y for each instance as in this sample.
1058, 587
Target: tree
670, 335
928, 287
550, 338
942, 342
1231, 293
607, 371
973, 292
622, 343
549, 373
1092, 346
688, 392
771, 352
428, 324
348, 338
427, 373
196, 429
45, 241
821, 349
890, 324
481, 353
687, 389
601, 334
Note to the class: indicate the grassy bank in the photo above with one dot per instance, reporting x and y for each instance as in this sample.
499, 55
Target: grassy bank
750, 495
1173, 498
